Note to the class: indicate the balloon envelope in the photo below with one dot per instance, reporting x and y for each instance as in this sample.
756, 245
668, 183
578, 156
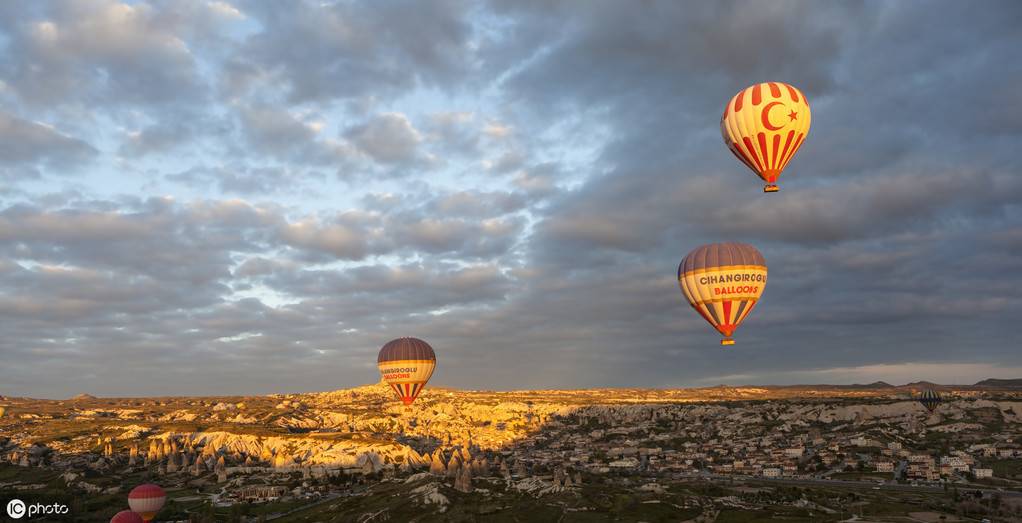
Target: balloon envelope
126, 516
406, 364
146, 500
764, 125
930, 399
723, 283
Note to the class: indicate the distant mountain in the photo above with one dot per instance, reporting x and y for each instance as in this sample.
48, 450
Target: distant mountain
874, 385
923, 385
854, 386
994, 383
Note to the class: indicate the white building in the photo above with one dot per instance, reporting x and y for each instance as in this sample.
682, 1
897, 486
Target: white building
627, 463
955, 462
794, 452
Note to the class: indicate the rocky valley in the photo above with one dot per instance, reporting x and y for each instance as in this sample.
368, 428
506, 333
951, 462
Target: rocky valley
359, 455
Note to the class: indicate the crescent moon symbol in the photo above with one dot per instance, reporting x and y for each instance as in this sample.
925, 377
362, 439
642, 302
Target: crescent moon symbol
765, 116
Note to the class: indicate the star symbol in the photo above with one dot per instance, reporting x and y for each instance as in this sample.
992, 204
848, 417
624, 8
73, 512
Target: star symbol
793, 115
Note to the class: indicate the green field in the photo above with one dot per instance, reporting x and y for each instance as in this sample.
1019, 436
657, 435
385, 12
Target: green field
590, 503
1007, 468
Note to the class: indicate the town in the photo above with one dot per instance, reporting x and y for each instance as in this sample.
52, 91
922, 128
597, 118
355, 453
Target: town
305, 456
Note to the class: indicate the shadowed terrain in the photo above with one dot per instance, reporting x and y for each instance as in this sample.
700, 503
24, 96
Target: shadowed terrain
658, 455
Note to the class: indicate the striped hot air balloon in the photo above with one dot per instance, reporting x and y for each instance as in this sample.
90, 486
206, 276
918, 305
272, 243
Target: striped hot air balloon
126, 516
406, 365
930, 399
764, 125
146, 500
723, 282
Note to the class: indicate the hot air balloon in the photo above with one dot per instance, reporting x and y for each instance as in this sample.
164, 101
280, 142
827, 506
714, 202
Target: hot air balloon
146, 500
930, 399
764, 125
126, 516
723, 282
406, 365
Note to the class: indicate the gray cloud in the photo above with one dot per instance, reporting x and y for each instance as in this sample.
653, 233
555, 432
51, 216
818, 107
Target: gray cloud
99, 51
278, 133
388, 139
146, 282
246, 180
172, 133
587, 137
25, 143
351, 50
882, 178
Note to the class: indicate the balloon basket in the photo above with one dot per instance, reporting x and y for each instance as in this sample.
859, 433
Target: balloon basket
770, 188
727, 341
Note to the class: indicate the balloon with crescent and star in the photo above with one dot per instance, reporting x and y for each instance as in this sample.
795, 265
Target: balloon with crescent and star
764, 125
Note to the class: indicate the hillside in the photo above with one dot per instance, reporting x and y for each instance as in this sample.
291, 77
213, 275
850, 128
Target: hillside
994, 383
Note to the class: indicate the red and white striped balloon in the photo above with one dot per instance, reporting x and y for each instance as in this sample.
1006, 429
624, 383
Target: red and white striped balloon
126, 516
146, 500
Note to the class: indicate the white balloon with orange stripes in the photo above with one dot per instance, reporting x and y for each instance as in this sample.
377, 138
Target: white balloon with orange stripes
723, 282
406, 364
764, 125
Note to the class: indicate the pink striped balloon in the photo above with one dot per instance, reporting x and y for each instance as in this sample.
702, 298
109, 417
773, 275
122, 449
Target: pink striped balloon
146, 500
126, 516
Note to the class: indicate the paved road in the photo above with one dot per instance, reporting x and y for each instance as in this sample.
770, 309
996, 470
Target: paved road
866, 484
333, 496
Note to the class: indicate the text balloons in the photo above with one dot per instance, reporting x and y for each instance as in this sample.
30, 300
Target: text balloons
406, 365
723, 283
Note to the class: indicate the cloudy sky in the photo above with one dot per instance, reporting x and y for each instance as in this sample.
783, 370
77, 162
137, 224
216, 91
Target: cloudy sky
204, 197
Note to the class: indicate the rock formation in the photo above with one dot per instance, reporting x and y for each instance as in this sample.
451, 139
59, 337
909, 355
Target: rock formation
453, 467
520, 470
463, 483
437, 467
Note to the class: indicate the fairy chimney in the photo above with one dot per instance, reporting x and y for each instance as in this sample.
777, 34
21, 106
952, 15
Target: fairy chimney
453, 467
437, 468
463, 483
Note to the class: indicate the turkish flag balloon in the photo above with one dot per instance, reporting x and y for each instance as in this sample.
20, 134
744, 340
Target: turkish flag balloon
764, 125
